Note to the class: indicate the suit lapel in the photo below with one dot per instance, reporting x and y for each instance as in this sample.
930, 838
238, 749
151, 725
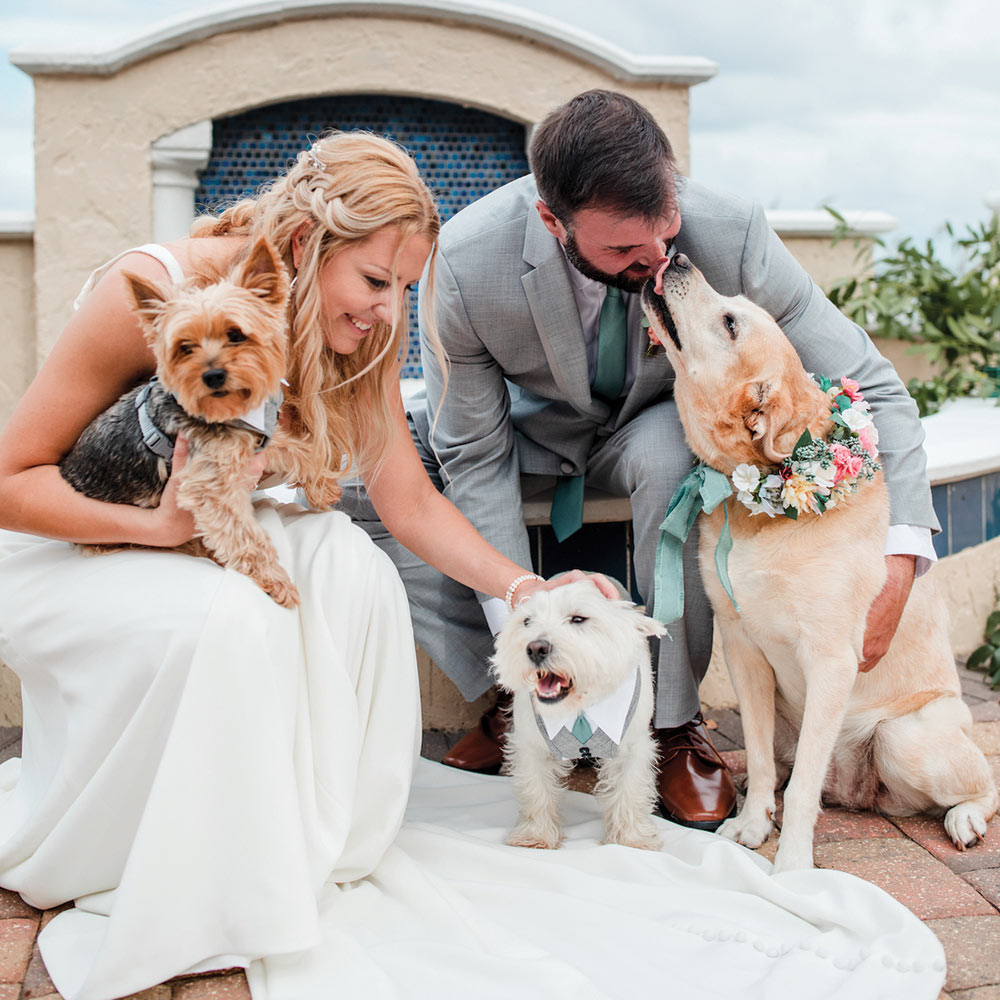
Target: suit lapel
553, 309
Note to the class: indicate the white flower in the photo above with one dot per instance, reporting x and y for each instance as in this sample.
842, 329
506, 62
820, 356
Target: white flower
746, 477
856, 419
823, 478
762, 507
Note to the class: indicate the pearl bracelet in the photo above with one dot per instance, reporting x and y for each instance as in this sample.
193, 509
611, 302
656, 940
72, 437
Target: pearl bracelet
512, 589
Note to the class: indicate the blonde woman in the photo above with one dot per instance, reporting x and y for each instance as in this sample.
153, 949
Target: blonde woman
196, 759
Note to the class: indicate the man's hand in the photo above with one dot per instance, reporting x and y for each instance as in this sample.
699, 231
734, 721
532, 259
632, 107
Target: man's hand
887, 609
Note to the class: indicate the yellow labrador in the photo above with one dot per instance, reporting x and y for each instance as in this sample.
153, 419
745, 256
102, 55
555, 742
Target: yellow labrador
894, 739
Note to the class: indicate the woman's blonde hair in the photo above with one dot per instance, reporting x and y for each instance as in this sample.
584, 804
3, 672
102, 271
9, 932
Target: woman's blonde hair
344, 188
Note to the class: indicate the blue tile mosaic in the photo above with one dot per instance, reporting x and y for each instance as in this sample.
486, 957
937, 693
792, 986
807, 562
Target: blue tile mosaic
461, 152
965, 513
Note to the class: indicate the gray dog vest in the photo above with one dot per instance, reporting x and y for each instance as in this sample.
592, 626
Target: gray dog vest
597, 732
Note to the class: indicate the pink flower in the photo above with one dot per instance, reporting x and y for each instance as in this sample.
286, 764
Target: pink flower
868, 437
846, 464
851, 389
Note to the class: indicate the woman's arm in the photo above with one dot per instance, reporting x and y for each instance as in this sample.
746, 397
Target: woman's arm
434, 529
99, 355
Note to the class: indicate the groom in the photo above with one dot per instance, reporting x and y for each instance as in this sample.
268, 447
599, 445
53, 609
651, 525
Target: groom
550, 384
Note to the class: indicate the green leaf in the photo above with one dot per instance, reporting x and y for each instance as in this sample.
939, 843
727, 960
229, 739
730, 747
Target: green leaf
790, 512
805, 439
993, 622
979, 658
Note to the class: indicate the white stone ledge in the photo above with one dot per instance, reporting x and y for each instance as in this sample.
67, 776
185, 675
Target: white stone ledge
176, 32
16, 226
963, 440
816, 222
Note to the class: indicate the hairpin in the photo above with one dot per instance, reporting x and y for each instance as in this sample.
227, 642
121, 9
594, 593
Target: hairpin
317, 163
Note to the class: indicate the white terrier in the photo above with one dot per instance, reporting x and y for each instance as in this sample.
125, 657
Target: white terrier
578, 667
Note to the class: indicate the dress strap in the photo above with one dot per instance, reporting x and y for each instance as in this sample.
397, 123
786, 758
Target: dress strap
161, 253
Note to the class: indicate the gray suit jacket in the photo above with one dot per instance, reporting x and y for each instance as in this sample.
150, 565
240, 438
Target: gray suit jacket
518, 396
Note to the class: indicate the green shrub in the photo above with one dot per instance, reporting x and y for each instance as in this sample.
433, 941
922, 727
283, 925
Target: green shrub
950, 314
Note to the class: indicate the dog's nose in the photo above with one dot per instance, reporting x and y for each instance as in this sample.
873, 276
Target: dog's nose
538, 650
679, 260
214, 378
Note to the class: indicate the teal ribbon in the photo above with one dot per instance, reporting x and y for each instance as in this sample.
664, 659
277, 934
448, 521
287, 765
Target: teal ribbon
702, 489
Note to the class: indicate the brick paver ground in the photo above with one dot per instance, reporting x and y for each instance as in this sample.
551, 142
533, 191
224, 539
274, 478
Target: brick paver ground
956, 893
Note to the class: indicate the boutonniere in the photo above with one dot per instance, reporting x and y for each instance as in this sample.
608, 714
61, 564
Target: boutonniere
653, 348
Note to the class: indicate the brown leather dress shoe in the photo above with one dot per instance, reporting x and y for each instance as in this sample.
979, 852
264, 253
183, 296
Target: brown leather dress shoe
481, 749
695, 786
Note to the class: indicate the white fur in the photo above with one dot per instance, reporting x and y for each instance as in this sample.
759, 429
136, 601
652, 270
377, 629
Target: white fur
895, 738
597, 644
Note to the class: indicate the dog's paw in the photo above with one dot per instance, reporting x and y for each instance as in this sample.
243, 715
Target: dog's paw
792, 857
533, 836
750, 831
643, 838
966, 825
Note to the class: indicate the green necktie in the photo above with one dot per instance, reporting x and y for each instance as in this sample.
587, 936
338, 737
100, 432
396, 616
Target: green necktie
612, 337
566, 515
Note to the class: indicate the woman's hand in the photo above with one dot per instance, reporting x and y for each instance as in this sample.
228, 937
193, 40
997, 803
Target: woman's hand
173, 525
599, 580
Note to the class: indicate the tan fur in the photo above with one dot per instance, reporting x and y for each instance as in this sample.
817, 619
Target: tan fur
895, 738
195, 328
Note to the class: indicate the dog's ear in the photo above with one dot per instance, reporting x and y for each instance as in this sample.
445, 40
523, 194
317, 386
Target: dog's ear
774, 418
147, 299
649, 626
263, 273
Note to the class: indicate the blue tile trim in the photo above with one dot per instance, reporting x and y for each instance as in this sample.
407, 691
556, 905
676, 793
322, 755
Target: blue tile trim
965, 511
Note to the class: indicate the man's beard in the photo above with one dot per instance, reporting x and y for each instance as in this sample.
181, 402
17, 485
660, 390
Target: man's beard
627, 280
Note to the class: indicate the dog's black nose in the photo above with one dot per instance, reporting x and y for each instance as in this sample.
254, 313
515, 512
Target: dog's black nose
538, 650
679, 260
214, 378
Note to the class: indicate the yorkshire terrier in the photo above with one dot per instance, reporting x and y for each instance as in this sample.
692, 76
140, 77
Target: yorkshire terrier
219, 344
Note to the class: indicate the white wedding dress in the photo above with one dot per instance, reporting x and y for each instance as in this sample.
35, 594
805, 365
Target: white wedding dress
219, 781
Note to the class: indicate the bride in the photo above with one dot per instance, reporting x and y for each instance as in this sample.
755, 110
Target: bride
218, 781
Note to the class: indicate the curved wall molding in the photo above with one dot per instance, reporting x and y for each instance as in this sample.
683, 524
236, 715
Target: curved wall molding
177, 32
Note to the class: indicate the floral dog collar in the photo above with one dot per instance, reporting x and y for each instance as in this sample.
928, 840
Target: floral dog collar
819, 473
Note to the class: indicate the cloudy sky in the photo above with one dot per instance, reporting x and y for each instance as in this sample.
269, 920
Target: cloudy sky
891, 105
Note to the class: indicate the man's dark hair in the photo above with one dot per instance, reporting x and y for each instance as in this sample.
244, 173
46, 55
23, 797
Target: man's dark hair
602, 149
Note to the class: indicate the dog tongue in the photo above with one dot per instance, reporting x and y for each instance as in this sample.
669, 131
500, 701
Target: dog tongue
550, 683
658, 286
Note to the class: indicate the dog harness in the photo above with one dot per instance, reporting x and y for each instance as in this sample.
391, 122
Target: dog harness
597, 731
263, 420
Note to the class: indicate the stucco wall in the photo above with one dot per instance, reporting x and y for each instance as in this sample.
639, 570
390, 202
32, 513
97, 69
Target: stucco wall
92, 135
17, 326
